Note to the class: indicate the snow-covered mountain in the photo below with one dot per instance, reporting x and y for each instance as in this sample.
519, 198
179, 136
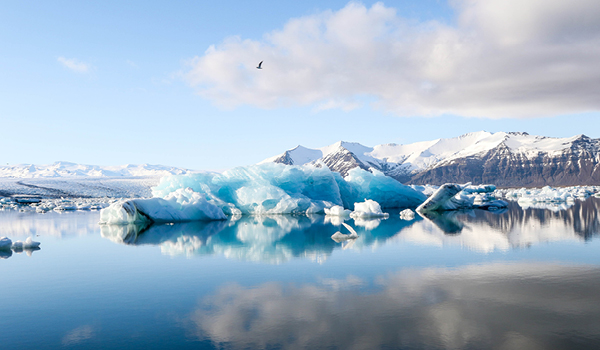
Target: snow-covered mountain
66, 169
505, 159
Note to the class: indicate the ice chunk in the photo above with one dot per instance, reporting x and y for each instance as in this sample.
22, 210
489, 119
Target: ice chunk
5, 243
30, 244
454, 196
530, 196
407, 214
179, 206
443, 199
368, 209
340, 237
337, 210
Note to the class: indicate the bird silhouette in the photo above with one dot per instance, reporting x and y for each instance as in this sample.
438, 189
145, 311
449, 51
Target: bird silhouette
259, 65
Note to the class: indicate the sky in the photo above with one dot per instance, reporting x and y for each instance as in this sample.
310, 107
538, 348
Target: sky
175, 82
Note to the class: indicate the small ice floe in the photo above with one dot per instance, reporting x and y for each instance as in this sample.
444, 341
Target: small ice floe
65, 207
407, 214
28, 244
5, 243
337, 210
368, 209
547, 194
7, 246
340, 237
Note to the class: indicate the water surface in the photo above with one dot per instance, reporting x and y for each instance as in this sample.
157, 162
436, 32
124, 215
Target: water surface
506, 280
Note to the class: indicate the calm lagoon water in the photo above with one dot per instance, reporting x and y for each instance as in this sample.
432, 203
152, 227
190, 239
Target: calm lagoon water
516, 279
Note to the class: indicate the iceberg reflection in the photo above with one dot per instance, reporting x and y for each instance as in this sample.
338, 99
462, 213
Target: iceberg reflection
516, 306
280, 238
271, 239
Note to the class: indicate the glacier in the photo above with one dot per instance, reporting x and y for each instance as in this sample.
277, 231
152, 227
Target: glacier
263, 189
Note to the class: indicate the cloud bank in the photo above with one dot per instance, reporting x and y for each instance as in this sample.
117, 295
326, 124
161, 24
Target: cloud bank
503, 58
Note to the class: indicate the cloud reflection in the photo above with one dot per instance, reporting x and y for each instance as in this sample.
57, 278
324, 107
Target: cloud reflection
494, 306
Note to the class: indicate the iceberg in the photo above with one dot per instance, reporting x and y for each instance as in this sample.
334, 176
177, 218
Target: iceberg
443, 199
453, 196
263, 189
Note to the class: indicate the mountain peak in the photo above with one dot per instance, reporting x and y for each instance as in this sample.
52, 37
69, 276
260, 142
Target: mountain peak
407, 162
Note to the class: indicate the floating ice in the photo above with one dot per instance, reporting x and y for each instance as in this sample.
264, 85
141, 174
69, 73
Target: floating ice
454, 196
178, 206
337, 210
368, 209
7, 246
265, 189
5, 243
533, 197
442, 199
262, 189
28, 244
407, 214
340, 237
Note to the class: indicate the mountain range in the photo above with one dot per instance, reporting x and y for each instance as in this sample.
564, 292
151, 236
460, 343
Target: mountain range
67, 169
506, 159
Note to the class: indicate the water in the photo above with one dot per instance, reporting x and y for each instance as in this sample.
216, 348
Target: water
517, 279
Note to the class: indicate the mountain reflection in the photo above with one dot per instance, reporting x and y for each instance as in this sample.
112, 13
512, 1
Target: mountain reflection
497, 306
277, 239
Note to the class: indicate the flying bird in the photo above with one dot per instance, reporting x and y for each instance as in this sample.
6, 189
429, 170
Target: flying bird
259, 65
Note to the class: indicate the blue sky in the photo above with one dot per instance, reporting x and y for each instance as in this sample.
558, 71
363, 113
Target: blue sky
109, 82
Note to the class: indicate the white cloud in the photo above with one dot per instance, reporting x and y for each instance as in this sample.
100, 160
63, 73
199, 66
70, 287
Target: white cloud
505, 58
74, 65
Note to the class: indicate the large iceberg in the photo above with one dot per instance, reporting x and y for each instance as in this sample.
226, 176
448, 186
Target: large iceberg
263, 189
